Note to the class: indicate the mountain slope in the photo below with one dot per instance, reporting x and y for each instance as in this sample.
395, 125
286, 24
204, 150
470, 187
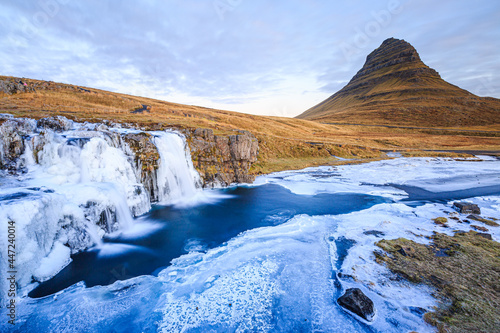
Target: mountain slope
395, 87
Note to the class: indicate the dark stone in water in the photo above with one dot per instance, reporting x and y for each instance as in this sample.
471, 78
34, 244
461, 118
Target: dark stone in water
417, 310
357, 302
466, 208
374, 233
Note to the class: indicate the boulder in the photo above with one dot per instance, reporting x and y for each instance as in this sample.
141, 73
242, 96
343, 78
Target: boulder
466, 208
484, 235
357, 302
57, 123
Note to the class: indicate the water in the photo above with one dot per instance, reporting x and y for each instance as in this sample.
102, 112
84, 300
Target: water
270, 257
172, 231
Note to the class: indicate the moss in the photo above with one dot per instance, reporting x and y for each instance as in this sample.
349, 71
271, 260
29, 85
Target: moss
440, 220
464, 269
485, 221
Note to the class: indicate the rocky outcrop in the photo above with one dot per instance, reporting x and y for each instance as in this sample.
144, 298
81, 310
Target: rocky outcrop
357, 302
146, 158
14, 86
466, 208
57, 123
12, 147
223, 160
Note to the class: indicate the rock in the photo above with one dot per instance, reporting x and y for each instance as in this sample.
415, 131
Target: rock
485, 221
476, 227
12, 145
466, 208
14, 86
357, 302
484, 235
146, 158
222, 160
374, 233
57, 123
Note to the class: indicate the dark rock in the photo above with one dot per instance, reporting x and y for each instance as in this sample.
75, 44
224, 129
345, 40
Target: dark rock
403, 252
12, 144
474, 217
344, 276
484, 235
477, 227
466, 208
57, 123
146, 158
141, 109
374, 233
14, 86
357, 302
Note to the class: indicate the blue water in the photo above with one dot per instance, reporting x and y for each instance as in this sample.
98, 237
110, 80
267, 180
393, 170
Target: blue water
179, 230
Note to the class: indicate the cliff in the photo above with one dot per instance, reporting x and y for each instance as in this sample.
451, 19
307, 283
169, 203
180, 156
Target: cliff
220, 160
223, 160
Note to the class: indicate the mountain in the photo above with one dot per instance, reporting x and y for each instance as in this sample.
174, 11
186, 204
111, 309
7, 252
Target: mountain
395, 87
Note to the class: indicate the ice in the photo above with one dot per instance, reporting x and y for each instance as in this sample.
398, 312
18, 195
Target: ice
177, 178
58, 258
431, 174
282, 277
74, 187
268, 279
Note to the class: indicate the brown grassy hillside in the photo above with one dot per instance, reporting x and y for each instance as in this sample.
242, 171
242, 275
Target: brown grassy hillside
285, 143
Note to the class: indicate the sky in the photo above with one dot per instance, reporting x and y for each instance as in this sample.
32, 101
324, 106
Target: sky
262, 57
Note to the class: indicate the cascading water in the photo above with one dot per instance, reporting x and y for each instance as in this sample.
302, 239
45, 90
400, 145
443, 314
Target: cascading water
177, 179
70, 188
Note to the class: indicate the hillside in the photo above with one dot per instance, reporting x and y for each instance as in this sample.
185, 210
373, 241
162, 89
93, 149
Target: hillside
395, 87
284, 143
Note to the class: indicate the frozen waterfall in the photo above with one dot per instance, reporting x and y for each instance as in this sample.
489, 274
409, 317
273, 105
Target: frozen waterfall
70, 187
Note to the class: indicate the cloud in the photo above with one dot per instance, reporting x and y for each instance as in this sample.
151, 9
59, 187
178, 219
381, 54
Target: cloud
254, 56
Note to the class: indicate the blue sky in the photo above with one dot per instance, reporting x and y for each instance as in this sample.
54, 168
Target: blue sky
254, 56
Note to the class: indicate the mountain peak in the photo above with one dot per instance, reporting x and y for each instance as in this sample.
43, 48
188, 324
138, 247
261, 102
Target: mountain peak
394, 55
394, 86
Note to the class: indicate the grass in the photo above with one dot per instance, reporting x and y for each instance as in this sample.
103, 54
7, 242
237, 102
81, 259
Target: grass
485, 221
465, 275
284, 143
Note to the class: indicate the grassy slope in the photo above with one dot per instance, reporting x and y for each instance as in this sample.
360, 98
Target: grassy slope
285, 143
465, 276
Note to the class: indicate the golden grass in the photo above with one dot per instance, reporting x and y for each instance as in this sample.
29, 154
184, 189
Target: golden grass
288, 139
465, 275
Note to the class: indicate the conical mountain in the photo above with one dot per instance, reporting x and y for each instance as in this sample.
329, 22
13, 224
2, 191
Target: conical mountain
395, 87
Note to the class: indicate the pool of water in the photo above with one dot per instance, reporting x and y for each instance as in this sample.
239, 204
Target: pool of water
169, 232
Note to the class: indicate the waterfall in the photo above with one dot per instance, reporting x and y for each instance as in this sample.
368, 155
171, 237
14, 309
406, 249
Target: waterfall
68, 189
177, 179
